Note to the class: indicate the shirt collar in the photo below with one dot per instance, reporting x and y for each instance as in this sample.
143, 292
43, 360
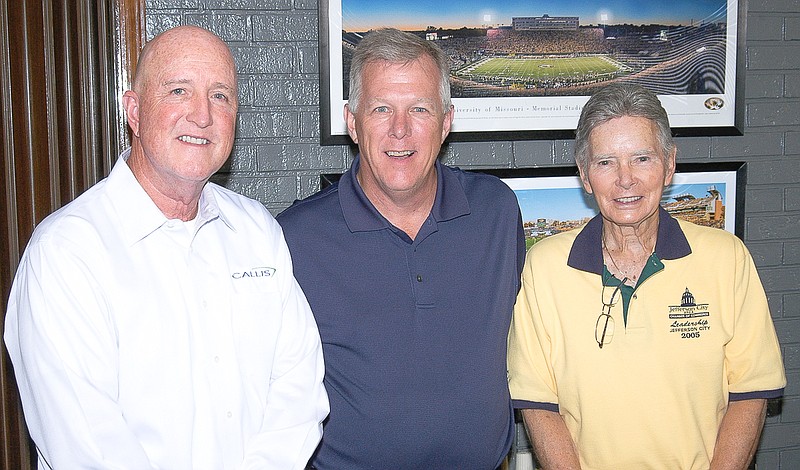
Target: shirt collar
138, 214
362, 216
209, 209
587, 250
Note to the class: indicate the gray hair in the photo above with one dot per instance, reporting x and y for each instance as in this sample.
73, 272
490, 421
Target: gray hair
618, 100
397, 47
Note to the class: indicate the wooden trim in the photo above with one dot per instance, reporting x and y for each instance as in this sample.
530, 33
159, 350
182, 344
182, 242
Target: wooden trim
132, 29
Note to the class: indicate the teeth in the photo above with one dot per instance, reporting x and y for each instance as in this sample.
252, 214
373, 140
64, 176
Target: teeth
399, 154
192, 140
628, 199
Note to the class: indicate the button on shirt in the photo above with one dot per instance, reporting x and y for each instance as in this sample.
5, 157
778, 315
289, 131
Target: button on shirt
141, 342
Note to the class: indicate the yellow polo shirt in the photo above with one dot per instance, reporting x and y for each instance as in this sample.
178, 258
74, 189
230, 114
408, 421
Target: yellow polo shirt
698, 334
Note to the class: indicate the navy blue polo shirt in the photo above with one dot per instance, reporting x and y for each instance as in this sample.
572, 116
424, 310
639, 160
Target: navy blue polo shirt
413, 331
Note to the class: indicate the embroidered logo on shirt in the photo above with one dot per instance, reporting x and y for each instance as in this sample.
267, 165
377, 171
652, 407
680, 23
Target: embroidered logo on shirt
688, 318
254, 273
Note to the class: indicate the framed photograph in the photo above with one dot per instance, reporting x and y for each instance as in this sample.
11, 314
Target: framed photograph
552, 199
522, 70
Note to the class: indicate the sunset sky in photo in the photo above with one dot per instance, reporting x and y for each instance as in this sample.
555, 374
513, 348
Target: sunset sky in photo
362, 15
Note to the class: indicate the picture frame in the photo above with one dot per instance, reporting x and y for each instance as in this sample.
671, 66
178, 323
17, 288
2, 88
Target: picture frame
552, 199
692, 57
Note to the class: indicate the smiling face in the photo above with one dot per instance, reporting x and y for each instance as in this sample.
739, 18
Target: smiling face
627, 171
183, 110
399, 128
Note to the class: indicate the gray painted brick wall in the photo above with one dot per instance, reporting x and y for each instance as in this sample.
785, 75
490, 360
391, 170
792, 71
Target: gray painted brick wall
277, 157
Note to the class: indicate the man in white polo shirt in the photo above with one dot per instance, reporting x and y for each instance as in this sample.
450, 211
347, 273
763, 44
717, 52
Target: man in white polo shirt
154, 322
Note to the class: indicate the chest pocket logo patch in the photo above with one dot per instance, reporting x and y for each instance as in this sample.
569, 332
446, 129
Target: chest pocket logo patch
689, 319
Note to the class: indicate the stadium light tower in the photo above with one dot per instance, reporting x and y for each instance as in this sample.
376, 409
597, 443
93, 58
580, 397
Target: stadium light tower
604, 17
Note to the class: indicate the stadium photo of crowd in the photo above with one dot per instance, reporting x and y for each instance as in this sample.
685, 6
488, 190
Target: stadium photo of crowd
558, 55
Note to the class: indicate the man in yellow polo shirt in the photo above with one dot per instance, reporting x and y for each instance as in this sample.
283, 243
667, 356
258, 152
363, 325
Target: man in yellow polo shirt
640, 341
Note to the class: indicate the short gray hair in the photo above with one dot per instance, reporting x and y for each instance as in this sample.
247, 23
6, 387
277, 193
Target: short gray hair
397, 47
618, 100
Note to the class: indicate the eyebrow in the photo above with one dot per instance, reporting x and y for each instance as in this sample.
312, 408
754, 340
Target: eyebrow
181, 81
635, 153
184, 81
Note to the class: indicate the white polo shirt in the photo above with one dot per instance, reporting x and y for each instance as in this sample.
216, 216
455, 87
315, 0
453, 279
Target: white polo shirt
140, 344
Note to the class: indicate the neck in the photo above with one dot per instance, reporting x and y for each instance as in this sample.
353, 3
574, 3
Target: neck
406, 210
627, 249
639, 238
176, 199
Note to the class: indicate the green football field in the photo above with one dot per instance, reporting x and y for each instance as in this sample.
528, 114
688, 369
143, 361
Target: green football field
545, 68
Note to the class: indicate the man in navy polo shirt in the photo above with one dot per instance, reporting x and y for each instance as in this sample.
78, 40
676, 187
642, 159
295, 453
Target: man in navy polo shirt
411, 269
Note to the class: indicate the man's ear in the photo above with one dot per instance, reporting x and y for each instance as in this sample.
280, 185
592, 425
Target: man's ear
670, 166
448, 121
587, 185
130, 101
350, 120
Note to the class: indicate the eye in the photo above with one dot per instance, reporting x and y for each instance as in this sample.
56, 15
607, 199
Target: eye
220, 96
419, 109
382, 109
178, 91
